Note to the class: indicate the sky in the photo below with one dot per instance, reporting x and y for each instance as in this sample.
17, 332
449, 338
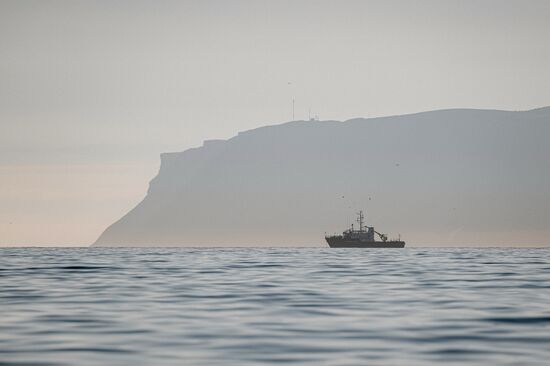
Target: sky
91, 92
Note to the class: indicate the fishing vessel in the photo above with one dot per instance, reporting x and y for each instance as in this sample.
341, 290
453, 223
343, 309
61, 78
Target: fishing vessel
362, 238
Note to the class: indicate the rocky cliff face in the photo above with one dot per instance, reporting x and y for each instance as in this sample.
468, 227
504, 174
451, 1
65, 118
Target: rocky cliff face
441, 177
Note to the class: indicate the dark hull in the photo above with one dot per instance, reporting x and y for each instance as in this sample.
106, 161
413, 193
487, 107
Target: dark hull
339, 242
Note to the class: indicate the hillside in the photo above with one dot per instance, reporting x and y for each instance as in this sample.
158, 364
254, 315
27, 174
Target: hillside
448, 177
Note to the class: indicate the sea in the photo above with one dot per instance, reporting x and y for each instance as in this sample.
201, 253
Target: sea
274, 306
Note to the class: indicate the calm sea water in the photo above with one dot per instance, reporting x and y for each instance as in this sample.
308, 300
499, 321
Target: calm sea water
274, 306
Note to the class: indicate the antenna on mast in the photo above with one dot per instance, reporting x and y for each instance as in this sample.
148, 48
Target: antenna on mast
293, 109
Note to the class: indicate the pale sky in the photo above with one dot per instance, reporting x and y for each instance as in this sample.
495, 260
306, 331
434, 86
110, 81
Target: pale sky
92, 92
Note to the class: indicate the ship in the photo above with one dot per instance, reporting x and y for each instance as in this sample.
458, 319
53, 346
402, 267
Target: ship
362, 238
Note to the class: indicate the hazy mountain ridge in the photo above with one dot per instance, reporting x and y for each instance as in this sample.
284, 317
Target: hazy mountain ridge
449, 176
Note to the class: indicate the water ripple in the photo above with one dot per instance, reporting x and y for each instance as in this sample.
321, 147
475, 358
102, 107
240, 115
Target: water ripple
167, 306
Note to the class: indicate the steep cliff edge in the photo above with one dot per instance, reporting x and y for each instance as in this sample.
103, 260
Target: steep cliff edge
449, 176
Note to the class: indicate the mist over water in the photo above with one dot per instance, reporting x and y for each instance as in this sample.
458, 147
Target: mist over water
314, 306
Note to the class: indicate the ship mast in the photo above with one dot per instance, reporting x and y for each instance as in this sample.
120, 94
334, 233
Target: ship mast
360, 220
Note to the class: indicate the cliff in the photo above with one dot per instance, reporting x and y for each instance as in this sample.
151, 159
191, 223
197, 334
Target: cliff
449, 177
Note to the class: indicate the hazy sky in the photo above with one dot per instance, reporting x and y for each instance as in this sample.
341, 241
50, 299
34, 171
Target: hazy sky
92, 92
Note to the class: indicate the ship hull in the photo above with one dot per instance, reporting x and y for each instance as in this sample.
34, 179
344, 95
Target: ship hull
339, 242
